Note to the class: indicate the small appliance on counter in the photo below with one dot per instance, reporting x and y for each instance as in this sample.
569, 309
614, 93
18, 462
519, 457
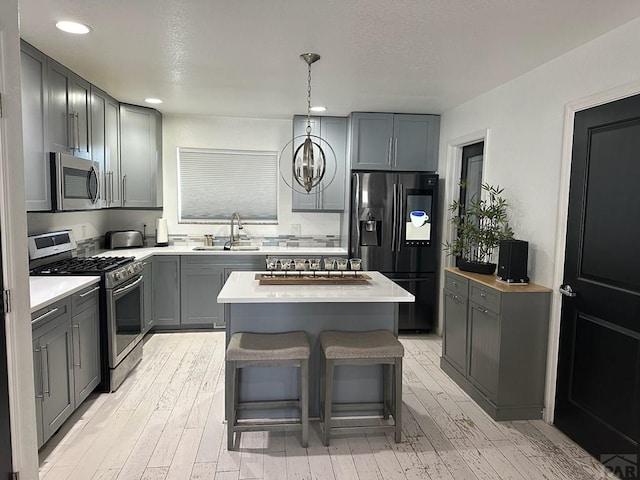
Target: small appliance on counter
162, 233
123, 239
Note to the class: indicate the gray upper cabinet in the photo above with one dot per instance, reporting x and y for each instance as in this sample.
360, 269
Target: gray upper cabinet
69, 124
166, 290
141, 156
105, 145
387, 141
35, 109
334, 131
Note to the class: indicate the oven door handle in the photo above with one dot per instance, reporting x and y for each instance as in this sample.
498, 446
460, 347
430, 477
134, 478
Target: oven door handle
128, 287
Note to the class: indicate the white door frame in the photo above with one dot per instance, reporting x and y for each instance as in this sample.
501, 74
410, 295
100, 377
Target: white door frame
15, 267
453, 172
571, 108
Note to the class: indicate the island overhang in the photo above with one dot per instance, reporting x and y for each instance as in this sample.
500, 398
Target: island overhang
242, 287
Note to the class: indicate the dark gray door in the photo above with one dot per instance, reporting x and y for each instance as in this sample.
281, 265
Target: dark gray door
598, 397
373, 233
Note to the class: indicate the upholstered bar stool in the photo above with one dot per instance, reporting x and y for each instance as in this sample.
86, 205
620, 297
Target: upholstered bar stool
266, 350
379, 347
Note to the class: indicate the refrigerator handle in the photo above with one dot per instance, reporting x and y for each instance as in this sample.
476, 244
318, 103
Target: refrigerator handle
355, 212
394, 228
400, 217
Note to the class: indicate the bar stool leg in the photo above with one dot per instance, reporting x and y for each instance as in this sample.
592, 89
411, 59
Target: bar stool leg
231, 394
386, 390
304, 401
397, 412
328, 398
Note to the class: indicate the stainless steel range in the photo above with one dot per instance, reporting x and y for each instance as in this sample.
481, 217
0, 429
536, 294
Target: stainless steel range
121, 298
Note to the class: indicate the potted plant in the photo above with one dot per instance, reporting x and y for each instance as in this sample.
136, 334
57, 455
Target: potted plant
480, 224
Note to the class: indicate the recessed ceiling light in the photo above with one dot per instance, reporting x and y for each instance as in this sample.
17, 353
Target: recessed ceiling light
318, 109
73, 27
153, 100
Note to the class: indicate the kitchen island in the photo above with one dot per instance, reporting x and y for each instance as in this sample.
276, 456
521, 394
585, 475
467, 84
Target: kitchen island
311, 308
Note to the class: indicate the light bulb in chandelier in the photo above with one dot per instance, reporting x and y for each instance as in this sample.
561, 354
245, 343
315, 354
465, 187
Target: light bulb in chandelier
309, 164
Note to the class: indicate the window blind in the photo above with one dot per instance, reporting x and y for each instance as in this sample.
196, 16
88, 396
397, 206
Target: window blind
212, 184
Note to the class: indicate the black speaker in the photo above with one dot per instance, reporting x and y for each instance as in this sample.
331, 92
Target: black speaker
512, 262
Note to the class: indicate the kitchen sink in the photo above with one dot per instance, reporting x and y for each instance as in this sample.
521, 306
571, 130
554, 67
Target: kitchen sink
235, 248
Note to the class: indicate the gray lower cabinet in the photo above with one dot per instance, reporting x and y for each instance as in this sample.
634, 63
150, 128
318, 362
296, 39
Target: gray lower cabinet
202, 278
35, 109
85, 321
53, 367
334, 131
141, 156
148, 307
387, 141
495, 343
166, 290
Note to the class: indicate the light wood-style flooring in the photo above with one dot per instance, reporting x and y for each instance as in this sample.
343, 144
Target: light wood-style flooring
166, 422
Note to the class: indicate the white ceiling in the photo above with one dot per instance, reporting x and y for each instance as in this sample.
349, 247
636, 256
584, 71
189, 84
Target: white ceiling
241, 57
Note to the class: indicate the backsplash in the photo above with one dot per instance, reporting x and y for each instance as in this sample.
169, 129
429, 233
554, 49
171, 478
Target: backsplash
291, 241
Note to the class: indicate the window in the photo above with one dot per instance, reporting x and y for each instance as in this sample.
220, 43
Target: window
471, 177
212, 184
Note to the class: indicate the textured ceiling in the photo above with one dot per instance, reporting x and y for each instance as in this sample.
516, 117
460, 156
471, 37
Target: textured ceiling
240, 57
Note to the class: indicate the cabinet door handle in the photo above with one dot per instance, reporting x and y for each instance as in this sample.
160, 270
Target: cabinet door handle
124, 189
395, 152
455, 298
45, 365
82, 295
45, 315
76, 117
70, 131
389, 154
481, 310
40, 395
79, 364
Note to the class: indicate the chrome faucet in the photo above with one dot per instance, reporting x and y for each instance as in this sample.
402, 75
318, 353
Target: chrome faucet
232, 238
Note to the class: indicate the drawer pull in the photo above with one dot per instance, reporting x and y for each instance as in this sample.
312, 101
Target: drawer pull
45, 315
483, 295
89, 292
455, 298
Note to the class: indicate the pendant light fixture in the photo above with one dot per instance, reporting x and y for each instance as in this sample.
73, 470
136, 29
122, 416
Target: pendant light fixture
313, 166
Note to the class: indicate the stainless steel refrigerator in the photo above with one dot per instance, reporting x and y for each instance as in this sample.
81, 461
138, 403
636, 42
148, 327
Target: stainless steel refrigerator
394, 230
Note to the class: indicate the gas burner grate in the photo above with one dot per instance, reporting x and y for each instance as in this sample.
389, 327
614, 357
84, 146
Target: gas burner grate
80, 265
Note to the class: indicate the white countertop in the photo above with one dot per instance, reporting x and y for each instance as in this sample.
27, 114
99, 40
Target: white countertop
48, 289
242, 287
143, 253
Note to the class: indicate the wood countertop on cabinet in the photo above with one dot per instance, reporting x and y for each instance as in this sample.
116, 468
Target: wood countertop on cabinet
492, 281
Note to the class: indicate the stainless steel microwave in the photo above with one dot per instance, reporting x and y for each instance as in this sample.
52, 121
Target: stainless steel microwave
75, 183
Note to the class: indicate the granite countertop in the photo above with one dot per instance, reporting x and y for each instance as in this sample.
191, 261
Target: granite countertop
46, 290
242, 287
146, 252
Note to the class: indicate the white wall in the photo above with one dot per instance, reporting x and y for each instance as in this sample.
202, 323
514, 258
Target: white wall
526, 122
241, 134
525, 118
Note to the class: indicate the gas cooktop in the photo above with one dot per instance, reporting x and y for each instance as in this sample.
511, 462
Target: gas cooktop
82, 265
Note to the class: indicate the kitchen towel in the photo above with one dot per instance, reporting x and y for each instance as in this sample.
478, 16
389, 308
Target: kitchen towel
162, 234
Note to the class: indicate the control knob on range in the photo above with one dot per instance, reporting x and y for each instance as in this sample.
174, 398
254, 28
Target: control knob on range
131, 270
116, 275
